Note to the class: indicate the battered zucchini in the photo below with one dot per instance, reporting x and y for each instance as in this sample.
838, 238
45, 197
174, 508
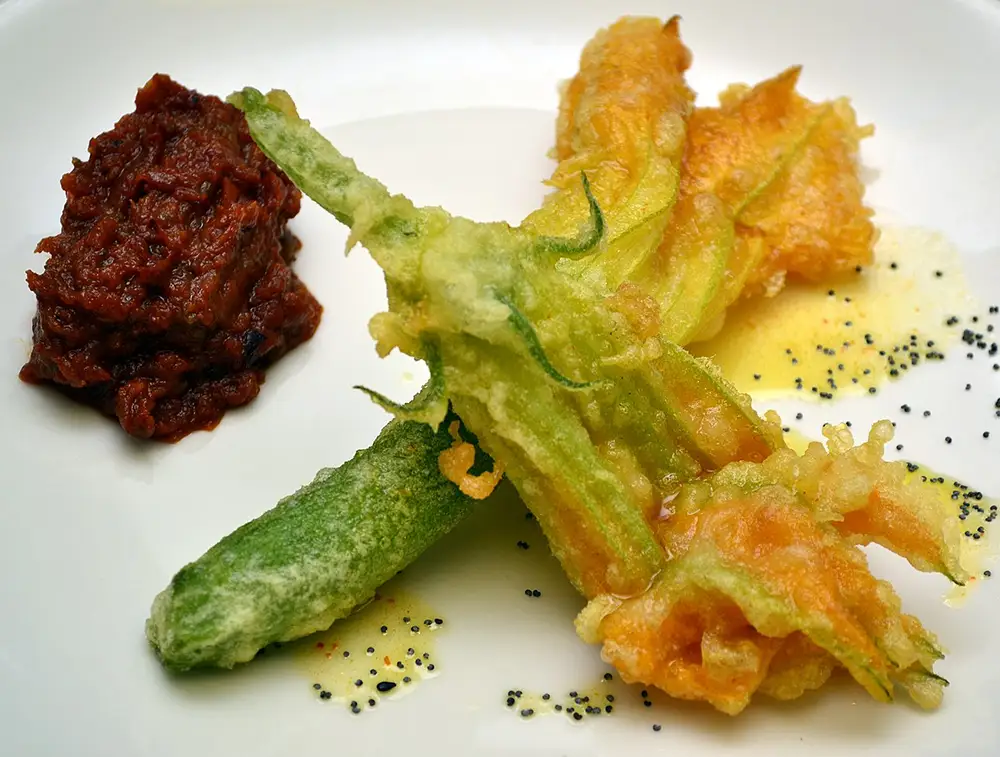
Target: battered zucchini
313, 558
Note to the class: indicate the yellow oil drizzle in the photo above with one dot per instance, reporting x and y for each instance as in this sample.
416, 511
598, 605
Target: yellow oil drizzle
382, 651
975, 511
810, 343
797, 442
599, 699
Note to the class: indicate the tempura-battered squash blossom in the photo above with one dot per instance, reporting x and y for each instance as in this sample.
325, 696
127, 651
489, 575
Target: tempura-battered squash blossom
718, 563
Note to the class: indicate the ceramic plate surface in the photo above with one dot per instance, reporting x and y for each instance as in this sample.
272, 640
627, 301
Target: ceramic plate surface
452, 103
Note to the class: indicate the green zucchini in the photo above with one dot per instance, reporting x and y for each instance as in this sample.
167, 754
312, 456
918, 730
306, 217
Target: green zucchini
316, 556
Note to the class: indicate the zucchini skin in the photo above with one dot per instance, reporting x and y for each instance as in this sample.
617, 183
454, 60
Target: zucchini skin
313, 558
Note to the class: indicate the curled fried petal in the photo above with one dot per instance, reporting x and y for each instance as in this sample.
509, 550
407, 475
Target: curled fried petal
622, 120
456, 462
799, 666
734, 153
767, 591
808, 219
813, 220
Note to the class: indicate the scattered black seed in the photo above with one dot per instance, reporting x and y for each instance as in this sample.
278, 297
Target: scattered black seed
358, 682
947, 440
406, 679
385, 686
523, 545
893, 266
418, 662
756, 377
373, 672
384, 629
527, 713
371, 702
558, 708
317, 686
415, 629
899, 447
647, 703
927, 413
608, 708
400, 665
798, 416
431, 666
545, 697
656, 727
536, 593
410, 652
510, 701
905, 408
347, 654
406, 618
577, 716
607, 676
527, 592
370, 650
325, 695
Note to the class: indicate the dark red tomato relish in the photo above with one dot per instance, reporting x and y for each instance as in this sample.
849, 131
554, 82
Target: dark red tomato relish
168, 290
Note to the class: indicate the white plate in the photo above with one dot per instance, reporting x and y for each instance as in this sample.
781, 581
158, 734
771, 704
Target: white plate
451, 102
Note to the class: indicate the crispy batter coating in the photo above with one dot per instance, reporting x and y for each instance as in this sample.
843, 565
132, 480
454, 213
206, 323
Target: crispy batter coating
767, 591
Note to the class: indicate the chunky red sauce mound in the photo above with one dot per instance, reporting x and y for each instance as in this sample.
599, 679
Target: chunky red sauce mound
169, 289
